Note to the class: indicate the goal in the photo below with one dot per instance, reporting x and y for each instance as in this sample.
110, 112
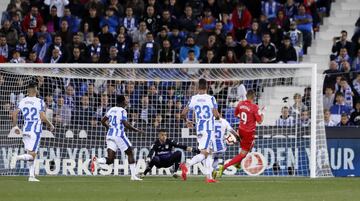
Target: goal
292, 138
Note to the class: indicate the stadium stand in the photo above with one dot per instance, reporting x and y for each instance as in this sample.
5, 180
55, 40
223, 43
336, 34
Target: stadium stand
174, 31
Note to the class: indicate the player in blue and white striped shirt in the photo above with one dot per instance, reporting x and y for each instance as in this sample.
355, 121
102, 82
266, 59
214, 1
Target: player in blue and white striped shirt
33, 111
205, 109
115, 120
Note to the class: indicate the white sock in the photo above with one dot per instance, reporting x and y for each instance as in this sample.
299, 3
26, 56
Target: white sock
132, 170
196, 159
31, 165
101, 160
25, 157
208, 165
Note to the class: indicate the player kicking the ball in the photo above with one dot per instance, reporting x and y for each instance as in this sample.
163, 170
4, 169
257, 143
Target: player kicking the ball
205, 109
249, 114
33, 111
115, 120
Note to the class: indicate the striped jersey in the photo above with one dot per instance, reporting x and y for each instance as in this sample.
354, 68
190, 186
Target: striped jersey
221, 128
30, 108
203, 105
116, 115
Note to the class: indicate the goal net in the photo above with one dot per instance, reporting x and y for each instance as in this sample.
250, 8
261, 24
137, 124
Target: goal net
292, 137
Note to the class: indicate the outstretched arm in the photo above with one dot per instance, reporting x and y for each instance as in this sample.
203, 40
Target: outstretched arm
129, 126
184, 113
105, 122
44, 119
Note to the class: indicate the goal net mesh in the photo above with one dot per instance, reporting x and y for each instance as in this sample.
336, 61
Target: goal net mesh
77, 97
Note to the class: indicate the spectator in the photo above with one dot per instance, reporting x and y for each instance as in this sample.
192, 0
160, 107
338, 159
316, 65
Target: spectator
241, 18
40, 48
52, 21
355, 115
208, 22
306, 99
147, 112
230, 57
129, 21
266, 51
110, 20
33, 58
139, 36
9, 32
330, 74
22, 47
356, 86
123, 48
253, 36
56, 56
276, 34
341, 42
282, 21
344, 120
296, 109
166, 54
249, 57
76, 56
135, 53
345, 89
230, 44
304, 119
227, 25
77, 42
84, 116
343, 56
92, 21
31, 38
296, 38
162, 35
73, 21
327, 118
188, 22
16, 23
149, 50
58, 43
16, 57
287, 53
103, 107
4, 47
211, 44
59, 4
166, 21
190, 45
106, 37
62, 113
32, 20
43, 31
270, 8
285, 119
356, 62
328, 98
64, 32
339, 108
150, 19
97, 49
304, 24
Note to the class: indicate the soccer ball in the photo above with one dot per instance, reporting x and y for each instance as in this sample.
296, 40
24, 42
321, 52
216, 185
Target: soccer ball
230, 139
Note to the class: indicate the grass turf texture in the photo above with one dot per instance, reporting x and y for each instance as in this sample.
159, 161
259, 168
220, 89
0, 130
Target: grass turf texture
169, 189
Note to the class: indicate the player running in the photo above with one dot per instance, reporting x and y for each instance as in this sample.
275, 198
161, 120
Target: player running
249, 114
205, 108
115, 121
222, 128
164, 155
33, 111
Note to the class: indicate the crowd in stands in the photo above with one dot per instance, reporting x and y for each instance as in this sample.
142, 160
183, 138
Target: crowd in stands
169, 31
342, 81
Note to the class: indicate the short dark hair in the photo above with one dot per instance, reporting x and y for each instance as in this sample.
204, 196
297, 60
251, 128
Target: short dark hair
339, 94
162, 130
202, 84
250, 94
32, 85
120, 99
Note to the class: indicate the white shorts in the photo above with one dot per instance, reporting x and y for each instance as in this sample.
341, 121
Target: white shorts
204, 140
217, 146
118, 142
31, 141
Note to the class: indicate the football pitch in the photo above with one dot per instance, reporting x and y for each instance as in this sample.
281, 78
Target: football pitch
169, 189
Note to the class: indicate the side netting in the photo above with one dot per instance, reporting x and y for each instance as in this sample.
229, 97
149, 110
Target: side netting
78, 95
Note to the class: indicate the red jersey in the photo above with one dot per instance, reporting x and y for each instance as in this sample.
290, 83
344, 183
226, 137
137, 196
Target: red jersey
249, 114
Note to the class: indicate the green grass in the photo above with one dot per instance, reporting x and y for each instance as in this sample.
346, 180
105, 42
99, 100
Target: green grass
169, 189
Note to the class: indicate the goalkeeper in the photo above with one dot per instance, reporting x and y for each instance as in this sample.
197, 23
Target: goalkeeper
164, 155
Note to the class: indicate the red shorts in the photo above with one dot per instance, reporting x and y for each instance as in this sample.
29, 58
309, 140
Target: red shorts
247, 139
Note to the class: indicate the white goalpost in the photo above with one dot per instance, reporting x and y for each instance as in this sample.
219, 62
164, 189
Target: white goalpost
292, 138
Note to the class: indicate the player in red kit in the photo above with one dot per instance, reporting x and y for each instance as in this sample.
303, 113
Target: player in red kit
249, 114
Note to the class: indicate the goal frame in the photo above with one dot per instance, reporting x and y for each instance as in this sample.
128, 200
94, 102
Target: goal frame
312, 66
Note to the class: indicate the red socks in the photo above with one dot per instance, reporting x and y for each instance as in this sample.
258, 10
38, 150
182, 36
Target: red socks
236, 159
